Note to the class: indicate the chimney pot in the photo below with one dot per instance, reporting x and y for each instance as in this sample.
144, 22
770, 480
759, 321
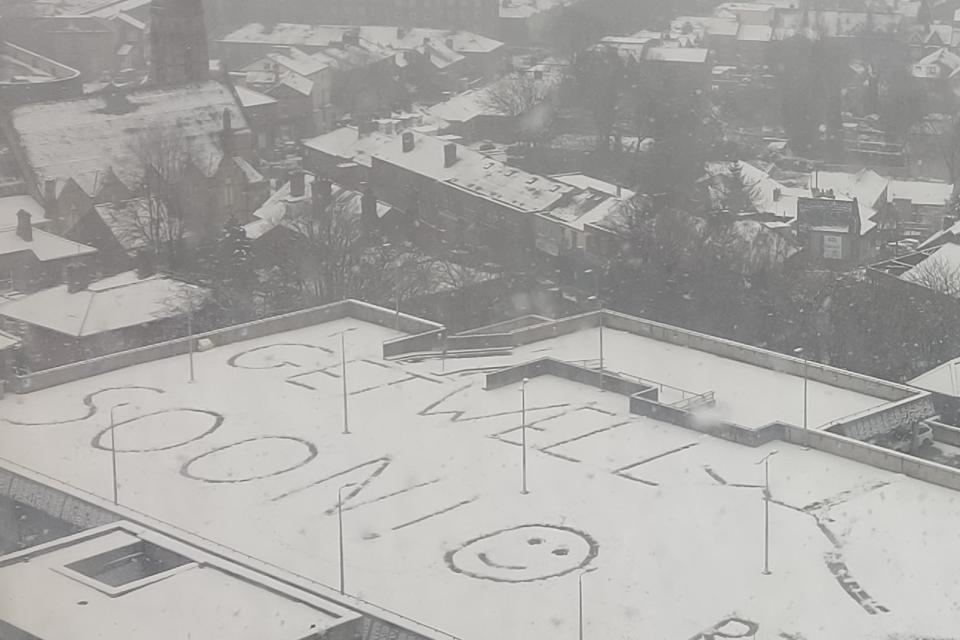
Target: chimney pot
24, 226
406, 141
449, 154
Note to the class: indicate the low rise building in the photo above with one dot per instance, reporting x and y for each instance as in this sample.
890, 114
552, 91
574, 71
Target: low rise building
125, 579
31, 258
919, 208
84, 319
26, 76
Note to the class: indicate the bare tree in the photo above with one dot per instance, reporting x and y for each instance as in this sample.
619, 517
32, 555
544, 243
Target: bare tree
938, 274
528, 99
162, 155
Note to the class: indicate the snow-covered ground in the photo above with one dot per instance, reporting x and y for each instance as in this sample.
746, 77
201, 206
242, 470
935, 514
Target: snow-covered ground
253, 453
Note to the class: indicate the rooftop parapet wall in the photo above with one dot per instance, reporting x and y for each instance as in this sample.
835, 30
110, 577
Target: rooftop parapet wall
88, 511
236, 333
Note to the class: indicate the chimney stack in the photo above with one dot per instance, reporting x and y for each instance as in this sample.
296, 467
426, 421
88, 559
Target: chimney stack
297, 184
777, 193
77, 278
227, 133
50, 198
368, 208
146, 265
406, 141
322, 188
24, 226
449, 154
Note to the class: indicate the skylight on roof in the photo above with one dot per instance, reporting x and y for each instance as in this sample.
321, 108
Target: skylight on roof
128, 567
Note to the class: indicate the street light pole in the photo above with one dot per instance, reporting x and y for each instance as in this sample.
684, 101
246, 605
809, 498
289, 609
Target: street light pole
113, 449
343, 378
580, 597
190, 331
523, 432
340, 529
596, 297
766, 511
800, 352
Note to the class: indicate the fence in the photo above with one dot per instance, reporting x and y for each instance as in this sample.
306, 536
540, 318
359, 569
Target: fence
550, 366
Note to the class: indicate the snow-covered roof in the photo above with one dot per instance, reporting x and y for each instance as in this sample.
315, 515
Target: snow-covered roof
920, 192
466, 106
583, 181
282, 209
167, 607
130, 221
476, 173
585, 206
250, 98
348, 143
83, 138
115, 7
11, 205
769, 195
944, 378
677, 54
45, 246
396, 38
711, 25
951, 233
866, 186
117, 302
755, 33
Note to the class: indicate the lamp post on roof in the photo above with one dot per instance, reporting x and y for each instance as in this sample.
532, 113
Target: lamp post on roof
799, 351
580, 597
340, 529
596, 298
343, 379
523, 434
113, 449
765, 461
190, 332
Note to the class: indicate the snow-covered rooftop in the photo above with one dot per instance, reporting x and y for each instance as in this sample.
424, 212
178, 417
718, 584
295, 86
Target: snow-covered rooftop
117, 302
45, 246
234, 603
920, 192
711, 25
84, 138
671, 519
867, 186
940, 269
396, 38
11, 205
250, 98
755, 33
348, 143
944, 378
677, 54
476, 173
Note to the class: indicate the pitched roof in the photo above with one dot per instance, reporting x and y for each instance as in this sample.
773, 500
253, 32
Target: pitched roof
347, 143
396, 38
250, 98
11, 205
920, 192
113, 303
282, 209
45, 246
83, 139
475, 173
866, 186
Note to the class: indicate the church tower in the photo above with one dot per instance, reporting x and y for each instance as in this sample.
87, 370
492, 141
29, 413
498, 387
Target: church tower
178, 42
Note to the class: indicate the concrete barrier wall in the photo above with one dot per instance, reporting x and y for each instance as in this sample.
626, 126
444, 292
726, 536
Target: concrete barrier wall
945, 433
757, 357
649, 407
874, 421
479, 341
425, 342
875, 456
52, 502
568, 371
508, 325
557, 328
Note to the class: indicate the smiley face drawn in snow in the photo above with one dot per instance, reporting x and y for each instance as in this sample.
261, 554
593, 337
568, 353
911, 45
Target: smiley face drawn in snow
524, 554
